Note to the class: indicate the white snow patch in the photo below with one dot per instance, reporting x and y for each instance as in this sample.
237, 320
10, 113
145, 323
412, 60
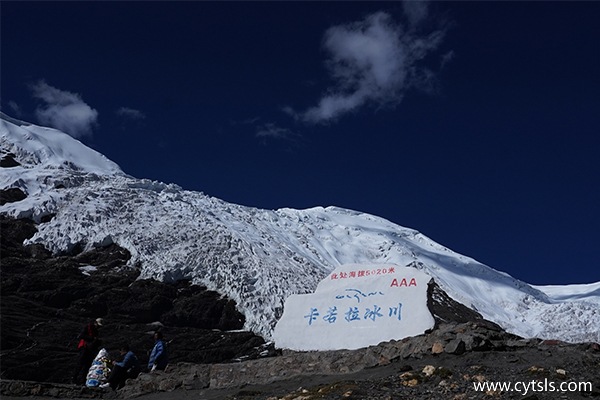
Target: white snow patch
86, 269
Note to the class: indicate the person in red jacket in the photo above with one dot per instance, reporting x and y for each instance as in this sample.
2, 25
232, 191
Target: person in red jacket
88, 346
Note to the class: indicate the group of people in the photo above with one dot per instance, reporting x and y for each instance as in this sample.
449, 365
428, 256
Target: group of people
89, 346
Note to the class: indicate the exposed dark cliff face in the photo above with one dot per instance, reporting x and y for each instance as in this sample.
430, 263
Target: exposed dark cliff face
447, 310
46, 300
8, 161
11, 195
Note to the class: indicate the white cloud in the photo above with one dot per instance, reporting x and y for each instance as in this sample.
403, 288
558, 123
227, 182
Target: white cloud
64, 110
130, 113
15, 108
250, 121
447, 58
373, 62
272, 131
415, 11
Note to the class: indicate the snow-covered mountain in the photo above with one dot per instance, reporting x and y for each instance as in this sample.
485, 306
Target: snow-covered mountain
256, 257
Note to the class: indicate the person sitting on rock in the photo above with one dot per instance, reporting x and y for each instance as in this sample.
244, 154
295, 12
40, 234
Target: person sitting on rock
88, 346
158, 356
128, 368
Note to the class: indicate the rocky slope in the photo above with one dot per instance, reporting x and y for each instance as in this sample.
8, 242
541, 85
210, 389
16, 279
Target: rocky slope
46, 299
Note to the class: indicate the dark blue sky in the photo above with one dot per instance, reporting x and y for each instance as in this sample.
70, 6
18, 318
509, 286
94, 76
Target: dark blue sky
481, 129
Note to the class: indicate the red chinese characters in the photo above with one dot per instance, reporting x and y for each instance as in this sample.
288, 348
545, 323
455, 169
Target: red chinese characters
361, 273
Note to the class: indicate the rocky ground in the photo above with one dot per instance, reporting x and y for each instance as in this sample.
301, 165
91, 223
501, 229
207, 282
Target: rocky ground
444, 364
45, 300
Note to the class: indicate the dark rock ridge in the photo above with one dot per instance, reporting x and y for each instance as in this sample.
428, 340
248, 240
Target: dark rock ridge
445, 309
8, 161
46, 300
11, 195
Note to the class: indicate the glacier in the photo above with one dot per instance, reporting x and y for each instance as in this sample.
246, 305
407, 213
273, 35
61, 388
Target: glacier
256, 257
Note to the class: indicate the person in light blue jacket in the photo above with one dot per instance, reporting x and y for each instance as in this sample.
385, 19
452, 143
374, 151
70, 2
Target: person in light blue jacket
158, 357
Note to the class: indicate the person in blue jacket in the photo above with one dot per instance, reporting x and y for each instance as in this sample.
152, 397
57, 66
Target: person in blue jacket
158, 357
128, 368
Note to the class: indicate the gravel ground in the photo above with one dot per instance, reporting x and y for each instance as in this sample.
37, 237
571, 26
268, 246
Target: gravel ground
432, 377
